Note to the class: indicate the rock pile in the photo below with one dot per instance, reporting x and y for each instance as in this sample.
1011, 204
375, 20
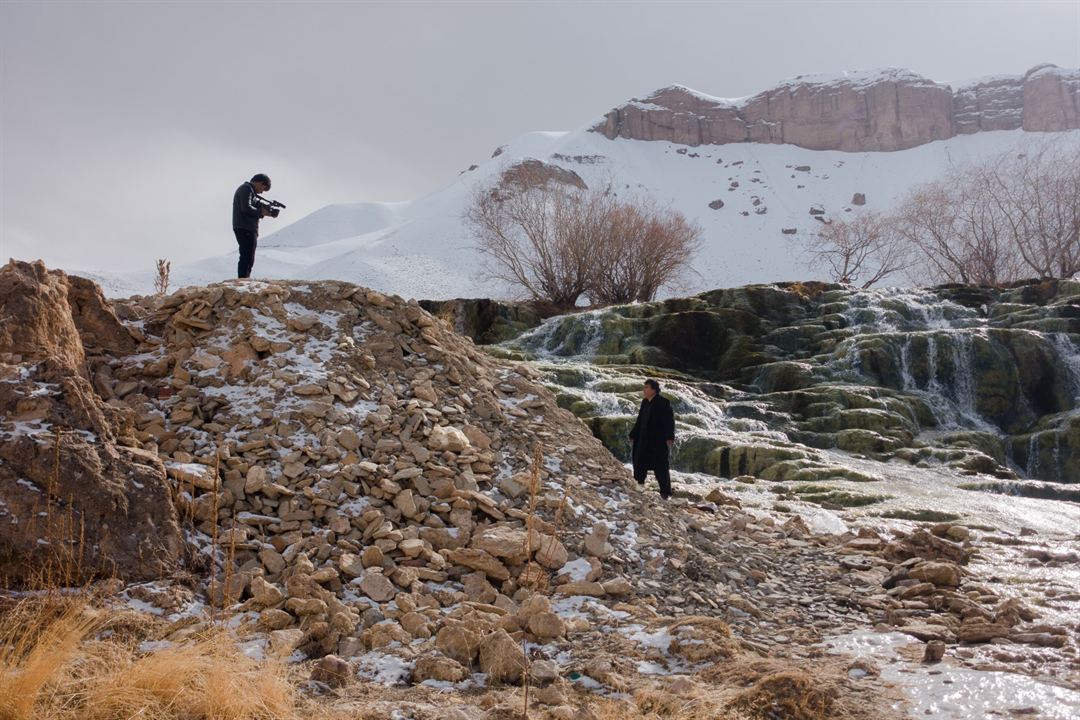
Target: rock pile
924, 590
360, 481
356, 482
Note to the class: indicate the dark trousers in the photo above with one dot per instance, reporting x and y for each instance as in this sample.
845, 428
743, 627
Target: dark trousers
247, 240
659, 466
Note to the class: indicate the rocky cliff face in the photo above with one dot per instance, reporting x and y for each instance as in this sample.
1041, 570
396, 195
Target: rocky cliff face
855, 112
77, 495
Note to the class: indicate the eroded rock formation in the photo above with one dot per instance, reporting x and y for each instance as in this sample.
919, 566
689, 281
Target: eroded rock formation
96, 504
855, 112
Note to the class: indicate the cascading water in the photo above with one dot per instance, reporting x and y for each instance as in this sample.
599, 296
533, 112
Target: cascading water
900, 361
1070, 357
1033, 456
556, 337
964, 378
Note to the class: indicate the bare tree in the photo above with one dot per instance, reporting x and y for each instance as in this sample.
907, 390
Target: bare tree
955, 234
559, 240
1037, 196
999, 220
539, 237
645, 247
858, 249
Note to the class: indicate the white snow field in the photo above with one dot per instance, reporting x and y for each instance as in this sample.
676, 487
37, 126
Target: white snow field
422, 249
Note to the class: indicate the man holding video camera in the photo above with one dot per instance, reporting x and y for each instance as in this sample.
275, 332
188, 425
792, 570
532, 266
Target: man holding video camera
247, 209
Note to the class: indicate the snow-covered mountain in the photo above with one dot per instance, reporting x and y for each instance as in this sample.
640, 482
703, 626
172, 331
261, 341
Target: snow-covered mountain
752, 198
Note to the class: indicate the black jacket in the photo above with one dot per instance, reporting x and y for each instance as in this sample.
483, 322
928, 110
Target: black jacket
655, 425
245, 213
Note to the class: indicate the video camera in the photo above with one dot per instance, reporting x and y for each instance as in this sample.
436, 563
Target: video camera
272, 207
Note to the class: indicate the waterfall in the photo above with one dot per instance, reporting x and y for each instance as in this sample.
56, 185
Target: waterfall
919, 354
1032, 469
594, 334
963, 353
1057, 455
1069, 353
906, 378
944, 412
572, 336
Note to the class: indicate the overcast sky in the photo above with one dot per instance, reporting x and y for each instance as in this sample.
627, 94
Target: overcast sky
125, 126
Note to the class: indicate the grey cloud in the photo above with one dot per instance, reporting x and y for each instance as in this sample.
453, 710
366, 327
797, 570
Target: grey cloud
124, 127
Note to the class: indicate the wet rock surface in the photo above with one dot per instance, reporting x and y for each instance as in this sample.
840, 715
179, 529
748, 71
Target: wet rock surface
982, 380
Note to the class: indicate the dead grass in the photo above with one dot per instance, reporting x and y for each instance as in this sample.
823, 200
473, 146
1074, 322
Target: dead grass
37, 639
788, 694
52, 669
209, 678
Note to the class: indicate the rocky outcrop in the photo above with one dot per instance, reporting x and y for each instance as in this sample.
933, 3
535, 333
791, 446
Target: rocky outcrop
855, 112
534, 173
36, 321
992, 104
1051, 99
486, 321
679, 115
893, 110
77, 498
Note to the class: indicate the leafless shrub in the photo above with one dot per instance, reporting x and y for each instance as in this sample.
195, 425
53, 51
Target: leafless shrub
997, 221
161, 282
539, 238
860, 249
645, 247
559, 242
955, 235
1037, 197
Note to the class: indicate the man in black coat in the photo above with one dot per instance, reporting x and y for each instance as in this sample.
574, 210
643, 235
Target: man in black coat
246, 213
653, 435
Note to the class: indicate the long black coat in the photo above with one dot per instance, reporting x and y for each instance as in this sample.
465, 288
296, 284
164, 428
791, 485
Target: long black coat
655, 425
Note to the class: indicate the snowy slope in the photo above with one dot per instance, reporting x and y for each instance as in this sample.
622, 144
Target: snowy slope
421, 249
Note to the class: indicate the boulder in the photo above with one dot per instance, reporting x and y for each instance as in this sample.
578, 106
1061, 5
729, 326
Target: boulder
284, 642
439, 668
459, 643
444, 437
934, 652
504, 542
596, 543
551, 553
332, 670
478, 559
981, 632
119, 515
377, 587
944, 574
501, 658
546, 625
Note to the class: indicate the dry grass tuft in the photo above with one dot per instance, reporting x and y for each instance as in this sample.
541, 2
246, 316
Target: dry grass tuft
788, 694
210, 678
700, 638
50, 670
37, 639
654, 702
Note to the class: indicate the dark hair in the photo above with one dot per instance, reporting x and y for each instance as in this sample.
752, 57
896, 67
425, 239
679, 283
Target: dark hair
260, 177
653, 384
